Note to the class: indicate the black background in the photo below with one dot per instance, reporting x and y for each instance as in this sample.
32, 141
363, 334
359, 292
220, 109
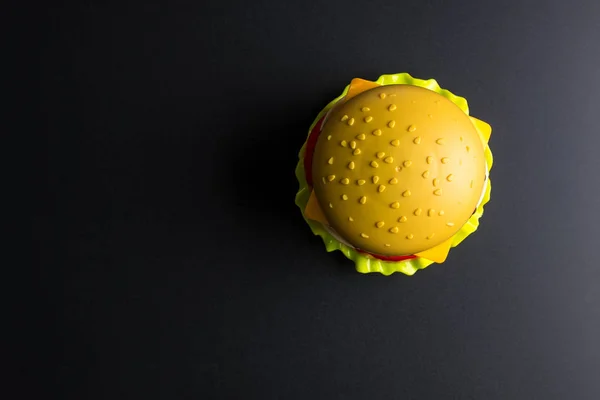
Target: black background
174, 263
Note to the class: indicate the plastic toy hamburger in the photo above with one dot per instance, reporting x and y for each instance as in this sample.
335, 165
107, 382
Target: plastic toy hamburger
394, 173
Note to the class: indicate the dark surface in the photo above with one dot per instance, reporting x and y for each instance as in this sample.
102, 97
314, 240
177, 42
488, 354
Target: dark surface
173, 267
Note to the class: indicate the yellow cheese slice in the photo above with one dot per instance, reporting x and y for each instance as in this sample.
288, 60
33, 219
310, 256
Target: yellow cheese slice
358, 86
484, 129
438, 253
313, 210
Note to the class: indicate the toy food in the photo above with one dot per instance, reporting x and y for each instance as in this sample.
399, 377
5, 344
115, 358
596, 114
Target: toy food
394, 173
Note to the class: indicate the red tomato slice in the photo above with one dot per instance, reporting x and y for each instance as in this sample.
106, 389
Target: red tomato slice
311, 142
